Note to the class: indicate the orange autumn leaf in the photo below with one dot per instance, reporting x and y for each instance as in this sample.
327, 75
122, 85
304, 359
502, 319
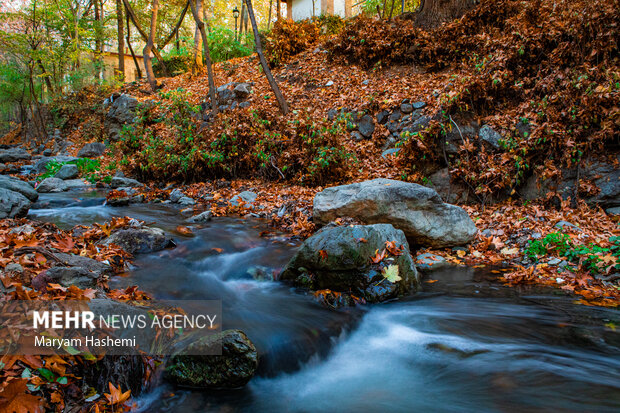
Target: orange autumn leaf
379, 256
63, 243
184, 230
31, 241
323, 254
393, 249
14, 399
116, 396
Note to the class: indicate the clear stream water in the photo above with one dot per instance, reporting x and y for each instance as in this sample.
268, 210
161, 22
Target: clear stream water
466, 343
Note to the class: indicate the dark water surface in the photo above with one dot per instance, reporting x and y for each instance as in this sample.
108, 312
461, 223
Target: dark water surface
464, 344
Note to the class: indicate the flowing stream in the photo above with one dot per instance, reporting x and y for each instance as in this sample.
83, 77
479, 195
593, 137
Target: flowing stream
466, 343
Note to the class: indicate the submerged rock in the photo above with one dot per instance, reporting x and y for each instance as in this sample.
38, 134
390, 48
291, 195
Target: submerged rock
338, 258
139, 240
430, 262
233, 369
417, 210
202, 217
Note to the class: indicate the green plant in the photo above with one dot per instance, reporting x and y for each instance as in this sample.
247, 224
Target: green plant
177, 61
88, 168
590, 257
554, 241
223, 46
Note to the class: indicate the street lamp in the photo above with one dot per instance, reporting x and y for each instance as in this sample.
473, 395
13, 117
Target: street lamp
236, 14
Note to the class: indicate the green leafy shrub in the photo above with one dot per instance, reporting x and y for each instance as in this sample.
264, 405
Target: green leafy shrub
166, 143
88, 168
177, 61
222, 44
589, 257
222, 47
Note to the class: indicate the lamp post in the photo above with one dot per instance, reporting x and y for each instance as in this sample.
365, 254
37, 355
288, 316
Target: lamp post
236, 14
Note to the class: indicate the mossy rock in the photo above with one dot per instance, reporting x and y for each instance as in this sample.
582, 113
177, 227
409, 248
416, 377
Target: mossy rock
338, 258
233, 369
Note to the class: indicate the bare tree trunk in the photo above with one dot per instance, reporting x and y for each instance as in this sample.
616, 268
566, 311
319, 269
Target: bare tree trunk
121, 40
241, 21
432, 13
46, 77
198, 39
383, 9
98, 41
133, 55
263, 62
145, 37
279, 11
207, 56
392, 10
175, 30
269, 18
148, 66
38, 119
205, 18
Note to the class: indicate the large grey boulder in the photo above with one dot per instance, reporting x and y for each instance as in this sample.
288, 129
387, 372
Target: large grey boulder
13, 204
52, 185
417, 210
122, 112
338, 258
73, 184
233, 369
139, 240
13, 155
17, 185
92, 150
121, 181
67, 171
